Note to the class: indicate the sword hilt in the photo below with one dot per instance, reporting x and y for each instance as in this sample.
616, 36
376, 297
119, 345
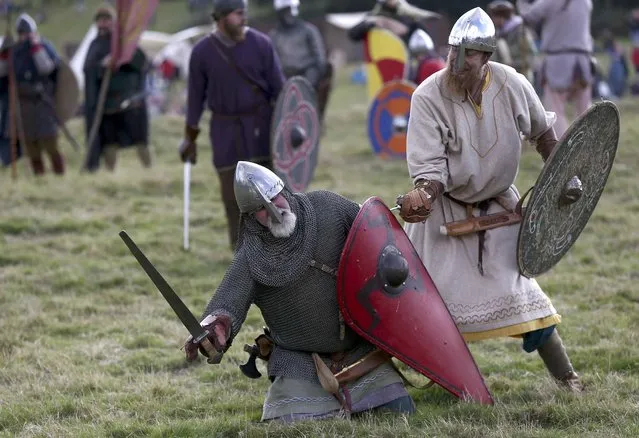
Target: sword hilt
215, 356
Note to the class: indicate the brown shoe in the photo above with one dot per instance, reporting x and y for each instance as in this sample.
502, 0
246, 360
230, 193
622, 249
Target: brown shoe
572, 382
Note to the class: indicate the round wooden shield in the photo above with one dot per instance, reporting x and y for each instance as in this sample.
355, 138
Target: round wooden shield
388, 119
67, 93
387, 59
568, 189
295, 133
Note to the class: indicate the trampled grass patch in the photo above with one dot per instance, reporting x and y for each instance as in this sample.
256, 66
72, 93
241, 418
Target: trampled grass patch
90, 348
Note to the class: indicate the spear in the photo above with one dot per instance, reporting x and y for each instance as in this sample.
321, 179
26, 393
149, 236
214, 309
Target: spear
16, 129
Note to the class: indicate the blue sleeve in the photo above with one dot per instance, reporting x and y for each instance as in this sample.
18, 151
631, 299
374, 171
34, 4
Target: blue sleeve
51, 52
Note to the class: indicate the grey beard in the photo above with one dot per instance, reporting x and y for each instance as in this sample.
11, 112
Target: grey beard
284, 229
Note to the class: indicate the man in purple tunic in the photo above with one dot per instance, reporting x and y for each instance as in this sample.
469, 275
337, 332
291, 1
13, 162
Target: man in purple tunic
236, 72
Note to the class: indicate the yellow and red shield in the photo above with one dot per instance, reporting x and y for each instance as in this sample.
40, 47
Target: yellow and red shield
386, 58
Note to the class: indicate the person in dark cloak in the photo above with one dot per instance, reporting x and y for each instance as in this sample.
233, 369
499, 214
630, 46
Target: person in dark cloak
35, 64
125, 121
236, 73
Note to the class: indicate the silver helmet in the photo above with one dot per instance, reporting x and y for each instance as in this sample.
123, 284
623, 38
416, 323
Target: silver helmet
255, 186
474, 30
420, 43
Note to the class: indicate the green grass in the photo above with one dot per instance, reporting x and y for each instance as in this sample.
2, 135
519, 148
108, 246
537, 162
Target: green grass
88, 346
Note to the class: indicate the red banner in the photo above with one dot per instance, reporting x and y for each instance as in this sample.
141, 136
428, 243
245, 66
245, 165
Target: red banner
133, 18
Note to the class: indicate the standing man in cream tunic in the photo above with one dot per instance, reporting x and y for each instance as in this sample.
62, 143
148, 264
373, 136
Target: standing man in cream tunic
463, 152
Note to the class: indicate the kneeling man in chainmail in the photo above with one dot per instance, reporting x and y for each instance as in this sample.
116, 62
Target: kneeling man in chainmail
285, 263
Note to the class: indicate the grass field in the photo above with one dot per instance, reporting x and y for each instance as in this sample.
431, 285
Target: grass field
88, 346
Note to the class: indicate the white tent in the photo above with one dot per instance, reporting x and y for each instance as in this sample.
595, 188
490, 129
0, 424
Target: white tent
151, 42
346, 20
178, 50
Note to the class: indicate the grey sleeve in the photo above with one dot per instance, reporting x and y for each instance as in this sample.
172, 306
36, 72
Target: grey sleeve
316, 46
234, 295
534, 13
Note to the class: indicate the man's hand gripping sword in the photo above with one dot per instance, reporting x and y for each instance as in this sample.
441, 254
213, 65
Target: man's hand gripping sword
200, 335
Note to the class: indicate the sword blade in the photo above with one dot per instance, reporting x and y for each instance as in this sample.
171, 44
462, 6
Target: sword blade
180, 309
187, 198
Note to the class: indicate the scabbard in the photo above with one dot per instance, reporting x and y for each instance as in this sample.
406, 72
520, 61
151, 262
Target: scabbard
363, 366
481, 223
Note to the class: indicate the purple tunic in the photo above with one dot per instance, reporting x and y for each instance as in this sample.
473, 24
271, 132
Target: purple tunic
241, 113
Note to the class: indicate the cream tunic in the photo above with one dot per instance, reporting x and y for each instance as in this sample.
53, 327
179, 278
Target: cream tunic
476, 157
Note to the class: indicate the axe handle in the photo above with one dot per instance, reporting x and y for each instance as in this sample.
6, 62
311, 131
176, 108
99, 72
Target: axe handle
215, 356
481, 223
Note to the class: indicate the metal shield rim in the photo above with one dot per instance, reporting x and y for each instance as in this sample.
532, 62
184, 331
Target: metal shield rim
371, 110
349, 320
523, 269
279, 102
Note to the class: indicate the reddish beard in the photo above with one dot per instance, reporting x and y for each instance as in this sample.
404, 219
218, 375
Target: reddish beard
464, 80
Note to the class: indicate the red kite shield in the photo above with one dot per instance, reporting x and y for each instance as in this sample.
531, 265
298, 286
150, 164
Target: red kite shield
386, 296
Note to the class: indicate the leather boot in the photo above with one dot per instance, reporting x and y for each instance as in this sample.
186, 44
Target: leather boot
57, 162
144, 154
227, 193
38, 166
110, 156
554, 355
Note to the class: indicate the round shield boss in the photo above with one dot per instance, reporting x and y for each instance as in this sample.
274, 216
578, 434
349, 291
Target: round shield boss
67, 92
568, 189
295, 134
388, 119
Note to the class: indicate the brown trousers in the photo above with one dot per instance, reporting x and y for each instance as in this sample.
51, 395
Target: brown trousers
227, 176
34, 150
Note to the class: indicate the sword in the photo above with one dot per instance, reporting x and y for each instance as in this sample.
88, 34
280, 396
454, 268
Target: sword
198, 332
131, 100
187, 199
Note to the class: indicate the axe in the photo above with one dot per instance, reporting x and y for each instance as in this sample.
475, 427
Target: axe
262, 349
249, 369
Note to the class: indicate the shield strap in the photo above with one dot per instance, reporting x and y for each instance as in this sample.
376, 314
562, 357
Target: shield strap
322, 267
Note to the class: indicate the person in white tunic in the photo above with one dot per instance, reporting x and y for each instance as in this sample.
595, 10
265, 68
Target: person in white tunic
463, 151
